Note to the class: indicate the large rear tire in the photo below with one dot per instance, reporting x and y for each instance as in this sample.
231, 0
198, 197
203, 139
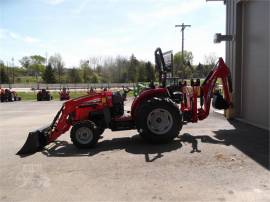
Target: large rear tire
84, 134
159, 120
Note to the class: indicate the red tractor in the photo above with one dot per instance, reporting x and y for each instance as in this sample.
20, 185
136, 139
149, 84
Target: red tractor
157, 112
8, 95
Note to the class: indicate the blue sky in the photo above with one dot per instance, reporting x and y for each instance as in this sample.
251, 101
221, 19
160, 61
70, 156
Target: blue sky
78, 29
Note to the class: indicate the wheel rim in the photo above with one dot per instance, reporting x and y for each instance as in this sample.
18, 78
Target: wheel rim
84, 135
159, 121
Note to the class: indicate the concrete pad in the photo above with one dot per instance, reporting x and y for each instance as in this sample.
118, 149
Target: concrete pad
232, 162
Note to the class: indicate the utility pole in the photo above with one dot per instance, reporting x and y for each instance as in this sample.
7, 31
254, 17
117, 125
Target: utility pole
46, 55
13, 77
183, 27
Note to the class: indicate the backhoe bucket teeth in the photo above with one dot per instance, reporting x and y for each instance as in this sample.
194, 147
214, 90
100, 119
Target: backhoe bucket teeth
35, 141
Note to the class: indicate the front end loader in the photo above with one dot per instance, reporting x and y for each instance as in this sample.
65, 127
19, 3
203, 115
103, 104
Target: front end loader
157, 112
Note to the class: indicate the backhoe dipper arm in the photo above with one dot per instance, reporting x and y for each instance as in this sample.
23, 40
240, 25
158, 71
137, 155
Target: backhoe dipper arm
220, 70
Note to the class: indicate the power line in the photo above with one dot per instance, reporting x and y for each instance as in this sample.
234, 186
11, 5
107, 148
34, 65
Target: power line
183, 27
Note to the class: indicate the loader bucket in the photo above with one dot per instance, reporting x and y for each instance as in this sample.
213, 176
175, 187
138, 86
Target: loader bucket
35, 141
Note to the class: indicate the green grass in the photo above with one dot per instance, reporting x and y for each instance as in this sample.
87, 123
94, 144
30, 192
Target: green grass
27, 79
27, 96
30, 96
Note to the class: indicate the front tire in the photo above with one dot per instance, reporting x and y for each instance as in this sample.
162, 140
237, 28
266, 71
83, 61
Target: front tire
84, 134
159, 120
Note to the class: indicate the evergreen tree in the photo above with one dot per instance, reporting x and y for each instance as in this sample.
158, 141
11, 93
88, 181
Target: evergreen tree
3, 76
48, 75
150, 72
132, 69
141, 73
74, 76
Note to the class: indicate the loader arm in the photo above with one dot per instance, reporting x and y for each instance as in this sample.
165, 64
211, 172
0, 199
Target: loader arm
64, 118
61, 123
221, 71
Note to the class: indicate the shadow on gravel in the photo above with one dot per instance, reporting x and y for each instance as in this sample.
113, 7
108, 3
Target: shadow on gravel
186, 137
252, 141
133, 145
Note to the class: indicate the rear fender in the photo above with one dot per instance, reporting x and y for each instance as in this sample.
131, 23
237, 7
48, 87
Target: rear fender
146, 95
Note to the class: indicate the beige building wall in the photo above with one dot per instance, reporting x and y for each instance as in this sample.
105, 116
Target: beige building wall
248, 57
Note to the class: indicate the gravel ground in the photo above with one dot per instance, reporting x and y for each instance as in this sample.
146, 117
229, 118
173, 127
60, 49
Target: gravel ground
214, 160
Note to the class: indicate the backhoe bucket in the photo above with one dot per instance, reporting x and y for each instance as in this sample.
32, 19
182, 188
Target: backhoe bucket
35, 141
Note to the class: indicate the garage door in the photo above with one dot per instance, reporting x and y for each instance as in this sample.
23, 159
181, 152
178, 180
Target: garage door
255, 62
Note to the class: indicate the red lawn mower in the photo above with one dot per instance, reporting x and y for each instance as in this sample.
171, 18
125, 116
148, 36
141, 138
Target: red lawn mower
157, 113
64, 94
44, 95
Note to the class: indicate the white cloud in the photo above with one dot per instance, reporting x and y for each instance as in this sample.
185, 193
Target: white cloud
106, 46
165, 10
54, 2
14, 35
4, 33
30, 39
81, 7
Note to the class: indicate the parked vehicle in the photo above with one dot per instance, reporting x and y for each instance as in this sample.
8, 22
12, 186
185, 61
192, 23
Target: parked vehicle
44, 95
64, 94
8, 95
157, 112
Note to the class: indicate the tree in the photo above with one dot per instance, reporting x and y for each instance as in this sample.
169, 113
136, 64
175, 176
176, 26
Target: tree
201, 71
37, 64
120, 69
48, 75
74, 76
3, 74
25, 62
94, 78
141, 73
37, 59
58, 65
150, 72
210, 59
132, 69
94, 61
98, 69
182, 68
34, 64
86, 71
